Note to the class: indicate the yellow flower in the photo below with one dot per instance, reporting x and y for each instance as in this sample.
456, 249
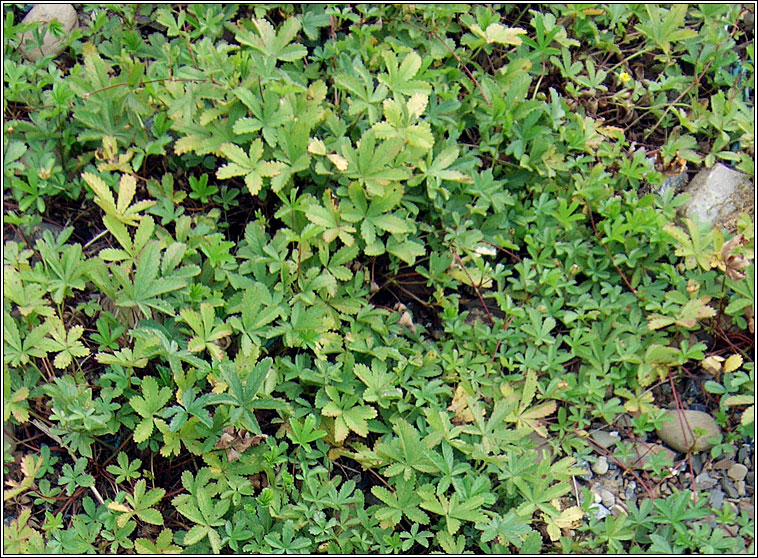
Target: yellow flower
624, 77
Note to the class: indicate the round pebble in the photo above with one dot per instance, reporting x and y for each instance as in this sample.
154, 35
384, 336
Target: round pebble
607, 498
737, 472
678, 433
600, 466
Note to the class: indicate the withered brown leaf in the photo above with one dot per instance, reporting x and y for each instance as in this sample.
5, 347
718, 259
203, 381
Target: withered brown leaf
236, 443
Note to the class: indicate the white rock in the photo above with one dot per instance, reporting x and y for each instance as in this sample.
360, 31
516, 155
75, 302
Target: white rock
600, 467
607, 498
737, 472
45, 13
717, 194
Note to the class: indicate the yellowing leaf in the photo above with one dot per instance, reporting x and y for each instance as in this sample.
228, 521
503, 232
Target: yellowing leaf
417, 104
739, 400
117, 506
748, 416
460, 407
712, 364
497, 33
338, 161
611, 131
316, 147
732, 363
569, 517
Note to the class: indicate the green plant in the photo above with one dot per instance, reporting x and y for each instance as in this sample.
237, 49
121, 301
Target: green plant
299, 239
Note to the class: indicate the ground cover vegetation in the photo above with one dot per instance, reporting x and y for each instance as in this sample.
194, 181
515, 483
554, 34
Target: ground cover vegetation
313, 279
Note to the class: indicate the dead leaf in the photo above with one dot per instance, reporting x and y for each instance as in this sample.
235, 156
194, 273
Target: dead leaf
236, 443
460, 407
734, 262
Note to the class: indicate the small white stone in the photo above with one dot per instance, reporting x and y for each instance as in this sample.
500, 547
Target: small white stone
607, 498
600, 466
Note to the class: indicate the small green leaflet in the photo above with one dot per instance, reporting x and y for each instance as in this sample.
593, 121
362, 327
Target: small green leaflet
399, 79
147, 406
402, 502
379, 383
406, 451
65, 343
248, 165
347, 414
274, 45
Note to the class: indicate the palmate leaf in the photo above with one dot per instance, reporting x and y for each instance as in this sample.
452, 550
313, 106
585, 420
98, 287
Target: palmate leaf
65, 343
405, 451
373, 166
120, 210
274, 45
206, 330
453, 510
348, 415
17, 350
379, 383
146, 289
248, 165
404, 501
399, 79
693, 246
148, 405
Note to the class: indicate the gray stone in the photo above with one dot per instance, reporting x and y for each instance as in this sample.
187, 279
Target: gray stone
679, 432
600, 466
45, 13
630, 494
748, 508
740, 487
587, 476
718, 194
617, 510
716, 498
737, 472
704, 482
605, 439
697, 463
743, 455
607, 498
750, 478
624, 421
599, 511
729, 488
